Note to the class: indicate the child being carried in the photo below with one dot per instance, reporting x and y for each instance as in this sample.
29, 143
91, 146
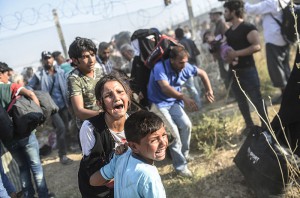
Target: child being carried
218, 45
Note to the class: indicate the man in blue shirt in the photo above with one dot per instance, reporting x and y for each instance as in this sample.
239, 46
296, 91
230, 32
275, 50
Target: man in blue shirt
103, 58
164, 92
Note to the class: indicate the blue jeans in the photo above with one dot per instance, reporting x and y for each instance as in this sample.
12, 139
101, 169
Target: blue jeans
3, 192
26, 153
196, 94
6, 186
180, 126
249, 81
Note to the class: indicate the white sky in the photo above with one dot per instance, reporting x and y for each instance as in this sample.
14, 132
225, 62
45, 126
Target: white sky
27, 27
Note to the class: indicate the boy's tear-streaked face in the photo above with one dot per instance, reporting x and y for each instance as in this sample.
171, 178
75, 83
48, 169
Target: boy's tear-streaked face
153, 146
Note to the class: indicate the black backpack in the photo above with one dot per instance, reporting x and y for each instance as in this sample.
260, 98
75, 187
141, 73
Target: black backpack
26, 116
146, 44
47, 104
139, 72
161, 50
154, 46
6, 129
287, 25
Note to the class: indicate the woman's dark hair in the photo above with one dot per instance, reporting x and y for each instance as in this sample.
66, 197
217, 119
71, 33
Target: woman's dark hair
80, 45
237, 6
140, 124
113, 76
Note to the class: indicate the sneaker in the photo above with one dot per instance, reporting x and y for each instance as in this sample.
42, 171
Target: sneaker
65, 160
185, 173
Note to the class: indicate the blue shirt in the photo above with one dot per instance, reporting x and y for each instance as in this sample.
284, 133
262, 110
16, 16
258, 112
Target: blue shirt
176, 80
106, 68
133, 177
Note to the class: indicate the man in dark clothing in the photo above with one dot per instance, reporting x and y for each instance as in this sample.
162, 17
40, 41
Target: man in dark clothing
189, 45
193, 51
52, 79
289, 111
244, 39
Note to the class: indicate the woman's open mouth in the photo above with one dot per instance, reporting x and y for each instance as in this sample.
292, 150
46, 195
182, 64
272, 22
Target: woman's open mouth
118, 107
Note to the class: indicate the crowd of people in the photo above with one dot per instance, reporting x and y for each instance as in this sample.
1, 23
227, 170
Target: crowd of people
99, 107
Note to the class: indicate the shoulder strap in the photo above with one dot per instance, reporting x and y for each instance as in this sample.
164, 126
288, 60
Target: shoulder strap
164, 64
277, 21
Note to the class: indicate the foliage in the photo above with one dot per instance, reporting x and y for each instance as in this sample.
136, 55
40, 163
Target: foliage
211, 133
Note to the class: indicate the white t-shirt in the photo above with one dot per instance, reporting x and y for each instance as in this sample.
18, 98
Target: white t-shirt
87, 138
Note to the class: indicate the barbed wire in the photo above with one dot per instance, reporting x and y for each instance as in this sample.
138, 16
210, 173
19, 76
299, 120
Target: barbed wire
105, 9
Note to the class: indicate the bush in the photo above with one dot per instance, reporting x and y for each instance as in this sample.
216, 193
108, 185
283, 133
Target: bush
211, 133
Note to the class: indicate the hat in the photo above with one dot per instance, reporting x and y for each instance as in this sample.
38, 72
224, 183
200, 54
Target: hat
216, 11
46, 54
4, 67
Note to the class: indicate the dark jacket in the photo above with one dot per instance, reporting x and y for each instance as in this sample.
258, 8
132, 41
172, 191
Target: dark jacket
290, 110
100, 155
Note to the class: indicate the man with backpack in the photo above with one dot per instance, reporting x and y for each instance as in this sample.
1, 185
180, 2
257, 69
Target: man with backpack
277, 48
143, 42
52, 80
24, 150
164, 93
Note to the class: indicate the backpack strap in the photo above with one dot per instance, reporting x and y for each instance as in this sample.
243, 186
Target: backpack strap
277, 21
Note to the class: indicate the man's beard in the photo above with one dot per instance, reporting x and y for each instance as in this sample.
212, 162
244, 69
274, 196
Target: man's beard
47, 66
104, 59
